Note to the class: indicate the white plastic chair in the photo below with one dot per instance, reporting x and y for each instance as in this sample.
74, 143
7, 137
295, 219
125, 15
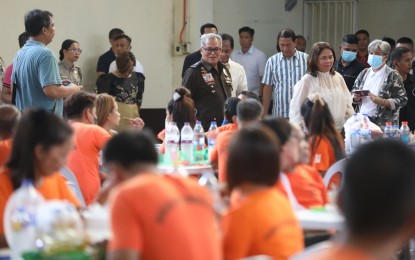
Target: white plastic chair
72, 184
337, 167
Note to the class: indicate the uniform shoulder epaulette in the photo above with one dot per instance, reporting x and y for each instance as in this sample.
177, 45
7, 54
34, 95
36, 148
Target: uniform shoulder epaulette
195, 65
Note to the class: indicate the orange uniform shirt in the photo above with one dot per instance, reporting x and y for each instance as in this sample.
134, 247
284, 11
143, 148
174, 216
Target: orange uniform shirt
219, 154
307, 186
5, 150
262, 223
164, 217
324, 157
52, 187
339, 253
83, 160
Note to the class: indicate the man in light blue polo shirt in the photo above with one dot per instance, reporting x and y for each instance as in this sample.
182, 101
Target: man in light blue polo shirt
35, 69
252, 59
282, 71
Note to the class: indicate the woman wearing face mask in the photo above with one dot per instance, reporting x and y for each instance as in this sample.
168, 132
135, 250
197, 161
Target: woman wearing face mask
323, 79
379, 90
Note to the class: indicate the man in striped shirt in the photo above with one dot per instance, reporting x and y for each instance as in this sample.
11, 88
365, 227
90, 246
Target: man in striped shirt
282, 71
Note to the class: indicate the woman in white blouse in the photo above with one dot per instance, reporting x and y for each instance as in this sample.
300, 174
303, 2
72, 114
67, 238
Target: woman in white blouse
323, 79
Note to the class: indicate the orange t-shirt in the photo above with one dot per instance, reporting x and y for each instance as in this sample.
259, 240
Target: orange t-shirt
324, 157
338, 252
263, 223
219, 154
52, 187
164, 217
5, 150
307, 186
83, 160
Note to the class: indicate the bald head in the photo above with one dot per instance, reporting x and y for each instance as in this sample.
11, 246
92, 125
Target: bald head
9, 116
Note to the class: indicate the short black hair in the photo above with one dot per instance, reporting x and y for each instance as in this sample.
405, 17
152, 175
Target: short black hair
35, 20
389, 40
114, 33
130, 148
230, 108
75, 104
300, 37
249, 94
405, 40
227, 37
350, 39
397, 54
254, 154
286, 33
248, 30
362, 32
123, 36
378, 195
207, 25
22, 39
280, 126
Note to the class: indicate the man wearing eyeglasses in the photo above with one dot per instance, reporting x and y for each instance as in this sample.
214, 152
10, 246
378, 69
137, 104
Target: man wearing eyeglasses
35, 75
207, 81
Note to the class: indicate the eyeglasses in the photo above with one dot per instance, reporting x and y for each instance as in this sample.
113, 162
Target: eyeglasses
75, 50
211, 50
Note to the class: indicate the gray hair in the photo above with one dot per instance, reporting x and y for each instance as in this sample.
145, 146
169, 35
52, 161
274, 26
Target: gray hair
206, 37
249, 110
384, 47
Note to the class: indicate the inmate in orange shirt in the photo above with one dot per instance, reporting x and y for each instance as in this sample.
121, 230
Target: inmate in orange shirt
52, 187
5, 150
164, 217
219, 154
83, 160
263, 223
323, 157
338, 252
307, 186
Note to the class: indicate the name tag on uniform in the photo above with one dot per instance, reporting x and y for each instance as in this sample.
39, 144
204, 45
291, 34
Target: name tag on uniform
317, 158
208, 77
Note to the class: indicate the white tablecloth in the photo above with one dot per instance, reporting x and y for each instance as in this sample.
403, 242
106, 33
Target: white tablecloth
320, 220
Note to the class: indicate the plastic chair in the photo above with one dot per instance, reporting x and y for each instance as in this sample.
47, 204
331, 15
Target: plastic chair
73, 184
337, 167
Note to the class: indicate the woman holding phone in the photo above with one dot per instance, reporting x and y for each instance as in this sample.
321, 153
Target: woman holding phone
378, 90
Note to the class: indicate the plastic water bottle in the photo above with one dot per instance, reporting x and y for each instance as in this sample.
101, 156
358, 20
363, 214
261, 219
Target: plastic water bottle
224, 122
20, 219
389, 131
209, 181
213, 134
186, 142
405, 132
396, 132
198, 143
172, 143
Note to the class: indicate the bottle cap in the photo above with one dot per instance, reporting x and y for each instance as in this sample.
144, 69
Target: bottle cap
404, 122
389, 123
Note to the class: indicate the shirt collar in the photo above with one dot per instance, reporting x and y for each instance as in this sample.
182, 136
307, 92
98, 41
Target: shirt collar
210, 67
67, 65
250, 51
296, 55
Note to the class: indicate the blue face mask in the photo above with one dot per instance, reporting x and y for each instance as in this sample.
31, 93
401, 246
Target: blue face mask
375, 61
348, 56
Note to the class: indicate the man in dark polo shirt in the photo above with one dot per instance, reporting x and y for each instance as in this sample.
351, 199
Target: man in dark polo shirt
401, 60
194, 57
105, 59
207, 82
348, 66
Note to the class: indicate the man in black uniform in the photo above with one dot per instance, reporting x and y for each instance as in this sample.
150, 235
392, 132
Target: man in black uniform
401, 60
348, 66
194, 57
207, 82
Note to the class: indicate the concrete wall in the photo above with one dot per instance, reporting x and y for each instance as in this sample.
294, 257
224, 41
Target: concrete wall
155, 26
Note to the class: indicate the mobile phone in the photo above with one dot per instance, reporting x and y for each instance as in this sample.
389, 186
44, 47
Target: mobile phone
362, 92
